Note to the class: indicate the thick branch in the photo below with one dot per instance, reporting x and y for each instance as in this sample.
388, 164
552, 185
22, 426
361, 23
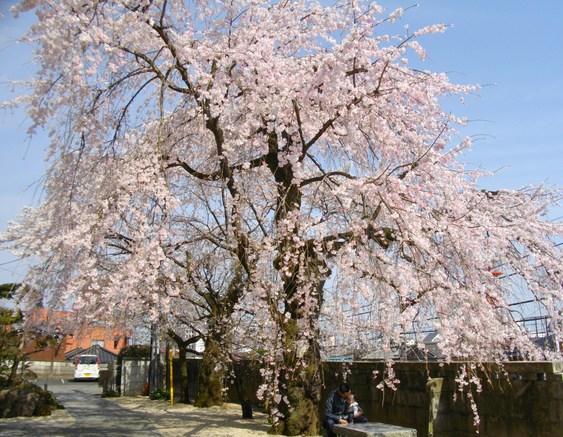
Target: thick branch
324, 176
193, 172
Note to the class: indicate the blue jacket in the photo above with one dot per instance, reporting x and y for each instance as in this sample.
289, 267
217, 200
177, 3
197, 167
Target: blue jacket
335, 407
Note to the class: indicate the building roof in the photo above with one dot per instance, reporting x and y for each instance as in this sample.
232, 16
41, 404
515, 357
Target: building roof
106, 356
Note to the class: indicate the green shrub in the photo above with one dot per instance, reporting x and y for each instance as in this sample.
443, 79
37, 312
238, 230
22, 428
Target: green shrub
159, 395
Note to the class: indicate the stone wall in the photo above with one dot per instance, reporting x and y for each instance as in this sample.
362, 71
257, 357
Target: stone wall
523, 400
52, 369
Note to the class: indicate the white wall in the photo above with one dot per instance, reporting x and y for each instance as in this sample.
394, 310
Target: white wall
134, 375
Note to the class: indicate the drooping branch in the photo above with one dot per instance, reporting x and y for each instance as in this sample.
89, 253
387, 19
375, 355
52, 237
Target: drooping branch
154, 68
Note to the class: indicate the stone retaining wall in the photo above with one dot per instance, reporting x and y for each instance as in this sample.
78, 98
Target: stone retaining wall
524, 400
52, 369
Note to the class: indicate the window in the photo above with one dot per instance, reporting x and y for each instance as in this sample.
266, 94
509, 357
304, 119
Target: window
88, 359
98, 343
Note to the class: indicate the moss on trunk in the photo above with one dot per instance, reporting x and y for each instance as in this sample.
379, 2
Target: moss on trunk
301, 385
211, 376
303, 419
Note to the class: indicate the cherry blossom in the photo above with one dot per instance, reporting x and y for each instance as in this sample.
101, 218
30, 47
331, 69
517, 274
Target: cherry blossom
280, 167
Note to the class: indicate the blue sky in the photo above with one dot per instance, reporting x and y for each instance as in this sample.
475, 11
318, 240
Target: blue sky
514, 48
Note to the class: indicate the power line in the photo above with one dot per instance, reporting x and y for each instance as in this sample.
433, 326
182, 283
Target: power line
10, 262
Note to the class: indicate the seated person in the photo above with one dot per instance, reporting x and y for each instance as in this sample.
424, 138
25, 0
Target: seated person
335, 408
354, 411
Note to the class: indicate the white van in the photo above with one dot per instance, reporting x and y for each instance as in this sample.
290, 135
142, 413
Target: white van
87, 367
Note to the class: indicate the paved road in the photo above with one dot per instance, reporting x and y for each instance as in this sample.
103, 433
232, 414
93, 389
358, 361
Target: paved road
86, 414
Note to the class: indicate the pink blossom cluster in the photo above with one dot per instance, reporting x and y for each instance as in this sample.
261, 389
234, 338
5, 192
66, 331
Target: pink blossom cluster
276, 173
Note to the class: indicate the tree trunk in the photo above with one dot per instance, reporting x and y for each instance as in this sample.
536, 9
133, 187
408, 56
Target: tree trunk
300, 381
154, 368
301, 384
211, 375
13, 371
182, 356
241, 371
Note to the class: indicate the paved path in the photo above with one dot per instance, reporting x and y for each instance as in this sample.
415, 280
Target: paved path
89, 415
86, 414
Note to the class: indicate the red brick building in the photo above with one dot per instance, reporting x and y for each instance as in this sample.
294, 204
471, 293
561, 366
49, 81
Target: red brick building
57, 325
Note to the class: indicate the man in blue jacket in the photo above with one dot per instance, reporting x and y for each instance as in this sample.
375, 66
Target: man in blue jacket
335, 408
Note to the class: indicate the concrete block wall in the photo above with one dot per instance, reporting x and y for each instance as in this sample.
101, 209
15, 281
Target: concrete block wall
134, 376
52, 369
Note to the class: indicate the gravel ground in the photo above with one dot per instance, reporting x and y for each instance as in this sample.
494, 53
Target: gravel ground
187, 420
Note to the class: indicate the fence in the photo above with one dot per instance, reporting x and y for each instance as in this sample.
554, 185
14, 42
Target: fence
522, 400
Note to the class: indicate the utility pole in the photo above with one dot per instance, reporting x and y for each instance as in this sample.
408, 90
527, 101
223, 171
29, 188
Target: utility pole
154, 369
